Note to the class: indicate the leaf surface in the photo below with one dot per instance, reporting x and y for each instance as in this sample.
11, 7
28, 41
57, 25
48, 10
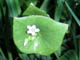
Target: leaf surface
33, 10
47, 41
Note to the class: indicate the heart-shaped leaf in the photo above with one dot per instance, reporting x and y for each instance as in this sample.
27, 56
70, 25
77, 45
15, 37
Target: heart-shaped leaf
45, 42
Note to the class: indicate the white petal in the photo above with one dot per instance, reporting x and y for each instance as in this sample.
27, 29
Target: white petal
29, 32
33, 33
25, 43
28, 27
37, 30
34, 26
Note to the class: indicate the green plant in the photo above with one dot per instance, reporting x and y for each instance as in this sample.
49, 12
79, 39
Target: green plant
55, 40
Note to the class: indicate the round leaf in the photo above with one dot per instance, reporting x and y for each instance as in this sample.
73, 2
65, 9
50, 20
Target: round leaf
47, 41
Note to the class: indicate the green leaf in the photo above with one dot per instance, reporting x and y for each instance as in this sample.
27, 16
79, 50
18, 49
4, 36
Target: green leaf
14, 7
45, 5
69, 55
33, 10
1, 1
23, 56
47, 41
73, 14
59, 9
58, 52
10, 56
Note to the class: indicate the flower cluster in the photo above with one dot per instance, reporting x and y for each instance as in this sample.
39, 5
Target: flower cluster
31, 30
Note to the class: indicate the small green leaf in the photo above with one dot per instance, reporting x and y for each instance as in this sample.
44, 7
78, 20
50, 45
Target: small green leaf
33, 10
47, 41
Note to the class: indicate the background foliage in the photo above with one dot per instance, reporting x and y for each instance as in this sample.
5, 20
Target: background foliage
65, 11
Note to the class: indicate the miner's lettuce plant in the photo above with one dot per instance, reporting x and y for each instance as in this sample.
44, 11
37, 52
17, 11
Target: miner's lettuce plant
48, 37
39, 29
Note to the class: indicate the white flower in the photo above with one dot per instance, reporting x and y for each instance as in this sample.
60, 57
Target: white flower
32, 30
